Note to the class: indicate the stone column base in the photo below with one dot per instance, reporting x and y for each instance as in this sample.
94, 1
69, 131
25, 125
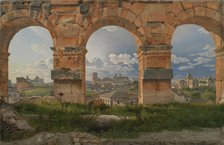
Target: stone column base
68, 86
155, 88
155, 92
69, 91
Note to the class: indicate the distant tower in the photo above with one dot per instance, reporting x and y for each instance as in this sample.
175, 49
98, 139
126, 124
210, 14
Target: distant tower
189, 79
210, 82
189, 76
95, 76
115, 76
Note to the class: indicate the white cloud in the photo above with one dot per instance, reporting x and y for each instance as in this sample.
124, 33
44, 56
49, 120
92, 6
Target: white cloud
213, 69
129, 68
111, 28
202, 60
178, 60
209, 65
207, 47
123, 63
41, 68
40, 48
49, 61
196, 62
106, 70
123, 58
203, 31
209, 52
41, 32
95, 62
186, 67
41, 64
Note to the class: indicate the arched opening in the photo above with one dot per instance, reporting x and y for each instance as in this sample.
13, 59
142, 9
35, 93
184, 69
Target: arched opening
194, 65
11, 23
112, 66
29, 63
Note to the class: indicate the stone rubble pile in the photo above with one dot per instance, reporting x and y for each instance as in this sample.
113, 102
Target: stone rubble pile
11, 121
103, 122
73, 138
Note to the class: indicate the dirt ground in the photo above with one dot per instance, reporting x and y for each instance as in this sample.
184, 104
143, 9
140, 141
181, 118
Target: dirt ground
184, 137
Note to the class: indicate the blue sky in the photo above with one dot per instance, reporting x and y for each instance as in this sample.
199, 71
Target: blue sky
193, 52
111, 50
30, 54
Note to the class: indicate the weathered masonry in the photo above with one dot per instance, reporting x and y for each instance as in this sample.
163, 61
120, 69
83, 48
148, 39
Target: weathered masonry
71, 23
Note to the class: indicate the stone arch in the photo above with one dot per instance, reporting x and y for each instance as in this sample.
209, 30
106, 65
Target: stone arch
11, 23
113, 40
139, 35
211, 25
153, 25
212, 19
73, 40
116, 21
214, 27
14, 21
209, 17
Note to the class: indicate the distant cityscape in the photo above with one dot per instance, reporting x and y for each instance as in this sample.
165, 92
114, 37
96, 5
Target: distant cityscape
116, 90
190, 82
116, 80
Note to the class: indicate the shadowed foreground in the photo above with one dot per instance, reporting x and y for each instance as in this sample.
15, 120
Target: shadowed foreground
205, 137
54, 123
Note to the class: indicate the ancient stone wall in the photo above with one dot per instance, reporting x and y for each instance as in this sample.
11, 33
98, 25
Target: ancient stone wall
22, 84
72, 22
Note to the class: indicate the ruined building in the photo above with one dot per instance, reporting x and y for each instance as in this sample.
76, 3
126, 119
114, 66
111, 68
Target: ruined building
36, 81
23, 84
27, 83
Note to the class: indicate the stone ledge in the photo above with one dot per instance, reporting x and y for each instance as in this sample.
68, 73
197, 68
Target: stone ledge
158, 74
220, 50
75, 49
148, 48
64, 74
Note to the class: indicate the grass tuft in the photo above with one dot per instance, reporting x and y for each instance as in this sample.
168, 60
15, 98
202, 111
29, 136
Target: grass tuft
148, 118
